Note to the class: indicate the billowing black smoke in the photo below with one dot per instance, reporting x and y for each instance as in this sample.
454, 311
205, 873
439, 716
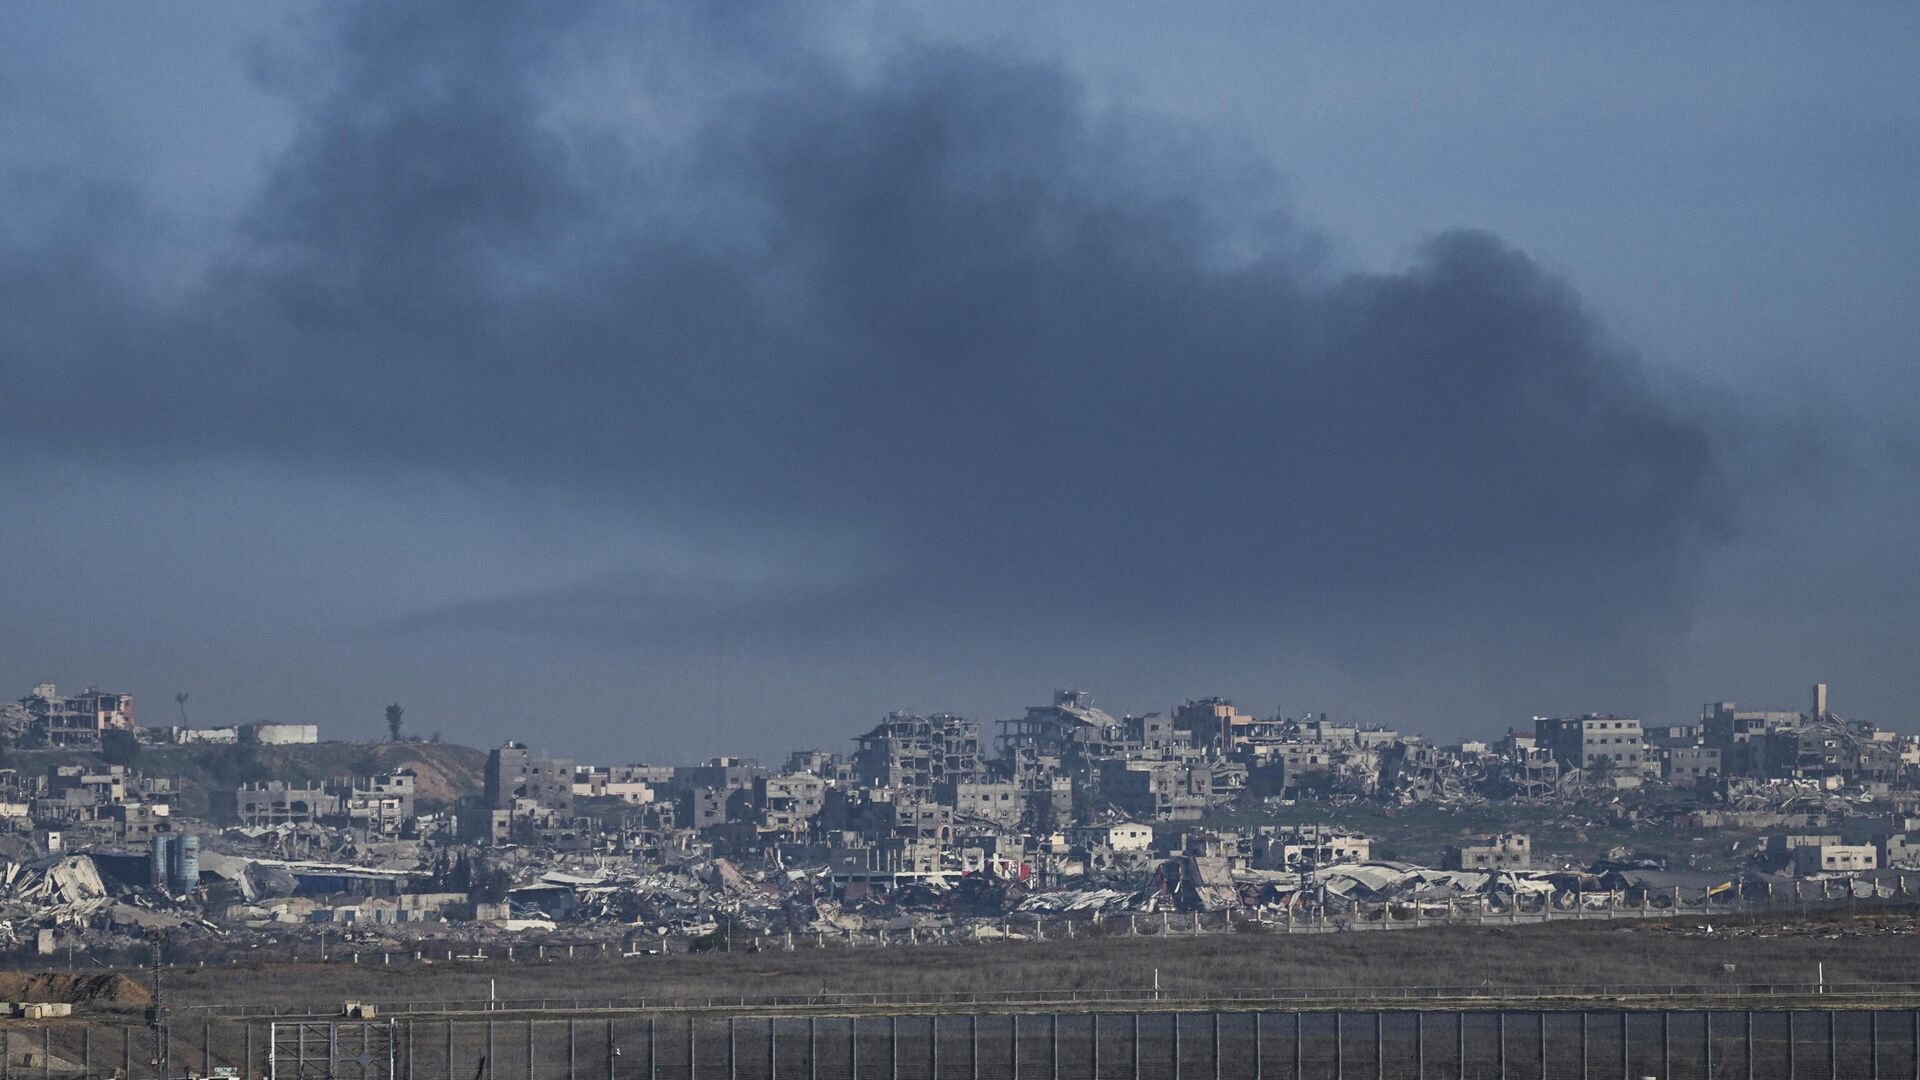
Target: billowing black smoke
1034, 368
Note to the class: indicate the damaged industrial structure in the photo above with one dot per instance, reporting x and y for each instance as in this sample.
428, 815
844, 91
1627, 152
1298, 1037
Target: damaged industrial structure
937, 828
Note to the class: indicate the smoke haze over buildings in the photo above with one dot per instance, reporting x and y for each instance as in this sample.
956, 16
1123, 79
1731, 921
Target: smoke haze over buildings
643, 373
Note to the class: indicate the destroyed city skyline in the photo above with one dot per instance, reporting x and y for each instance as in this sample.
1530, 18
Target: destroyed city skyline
934, 831
713, 378
906, 540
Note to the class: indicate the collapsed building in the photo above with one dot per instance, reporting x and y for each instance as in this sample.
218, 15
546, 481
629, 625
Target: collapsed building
1071, 813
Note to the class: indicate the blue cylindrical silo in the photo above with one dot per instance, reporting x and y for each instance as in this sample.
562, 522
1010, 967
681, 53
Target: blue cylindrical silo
186, 856
160, 864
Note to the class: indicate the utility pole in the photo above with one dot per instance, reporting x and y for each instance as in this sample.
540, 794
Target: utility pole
154, 1013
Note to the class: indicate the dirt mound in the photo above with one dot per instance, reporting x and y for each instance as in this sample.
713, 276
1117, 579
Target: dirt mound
109, 990
442, 772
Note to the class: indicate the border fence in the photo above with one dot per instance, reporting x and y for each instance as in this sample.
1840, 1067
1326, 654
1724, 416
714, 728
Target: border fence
1492, 1044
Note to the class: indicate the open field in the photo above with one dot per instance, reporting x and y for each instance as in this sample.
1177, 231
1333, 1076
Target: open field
1339, 1029
1882, 948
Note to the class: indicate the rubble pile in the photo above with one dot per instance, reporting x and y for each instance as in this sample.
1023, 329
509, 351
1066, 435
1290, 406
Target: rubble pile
52, 891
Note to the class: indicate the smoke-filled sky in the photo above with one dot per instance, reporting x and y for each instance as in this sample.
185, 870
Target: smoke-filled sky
651, 381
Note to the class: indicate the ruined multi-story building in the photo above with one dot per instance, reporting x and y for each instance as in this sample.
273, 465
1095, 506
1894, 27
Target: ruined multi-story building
1214, 725
1507, 851
1001, 803
916, 754
1070, 725
788, 803
1743, 735
140, 822
277, 802
722, 774
514, 774
1308, 846
1595, 743
1810, 860
1689, 764
1158, 790
906, 818
633, 784
77, 719
831, 767
379, 804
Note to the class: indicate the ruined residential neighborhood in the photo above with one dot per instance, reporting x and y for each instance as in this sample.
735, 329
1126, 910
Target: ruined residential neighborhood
914, 540
935, 828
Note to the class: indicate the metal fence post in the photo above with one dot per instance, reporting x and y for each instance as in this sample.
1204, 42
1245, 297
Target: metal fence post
1379, 1045
1339, 1048
1543, 1044
933, 1048
1626, 1049
489, 1050
733, 1056
1705, 1019
853, 1047
1136, 1048
1175, 1017
1500, 1027
773, 1048
530, 1048
1583, 1045
1460, 1040
693, 1049
1419, 1045
1666, 1042
893, 1047
973, 1040
1216, 1047
1792, 1069
1873, 1042
206, 1047
1256, 1049
1833, 1051
1747, 1037
86, 1053
570, 1057
1299, 1044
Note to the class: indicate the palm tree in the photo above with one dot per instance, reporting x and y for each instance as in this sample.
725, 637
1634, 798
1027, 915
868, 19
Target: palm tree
180, 699
394, 713
1600, 771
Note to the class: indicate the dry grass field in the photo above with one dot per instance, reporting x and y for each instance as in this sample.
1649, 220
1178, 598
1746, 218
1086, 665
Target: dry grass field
520, 1044
1883, 948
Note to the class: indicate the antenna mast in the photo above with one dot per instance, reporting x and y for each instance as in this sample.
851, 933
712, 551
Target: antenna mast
155, 941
